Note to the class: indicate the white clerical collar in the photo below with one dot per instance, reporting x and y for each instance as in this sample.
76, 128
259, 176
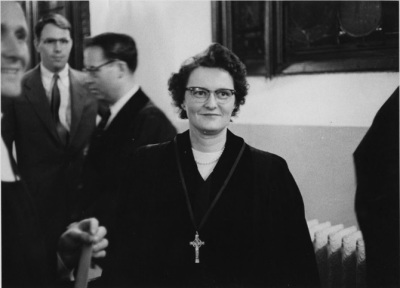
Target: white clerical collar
49, 74
117, 106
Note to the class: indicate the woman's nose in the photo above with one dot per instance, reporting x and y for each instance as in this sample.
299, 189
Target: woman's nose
211, 101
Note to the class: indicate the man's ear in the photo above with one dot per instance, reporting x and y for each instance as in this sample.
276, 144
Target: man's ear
123, 68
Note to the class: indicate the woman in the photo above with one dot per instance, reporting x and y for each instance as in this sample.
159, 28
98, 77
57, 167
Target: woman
206, 209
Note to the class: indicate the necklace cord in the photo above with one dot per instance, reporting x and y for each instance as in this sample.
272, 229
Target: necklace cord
211, 162
178, 160
219, 192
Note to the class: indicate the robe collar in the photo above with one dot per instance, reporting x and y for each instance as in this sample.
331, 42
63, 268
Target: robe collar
192, 176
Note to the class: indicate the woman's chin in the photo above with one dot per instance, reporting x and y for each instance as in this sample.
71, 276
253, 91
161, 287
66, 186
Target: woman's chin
212, 130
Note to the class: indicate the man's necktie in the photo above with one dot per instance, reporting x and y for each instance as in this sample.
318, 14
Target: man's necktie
55, 106
97, 141
104, 112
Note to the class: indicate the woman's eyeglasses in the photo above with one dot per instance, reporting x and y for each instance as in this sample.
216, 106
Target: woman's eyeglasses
202, 94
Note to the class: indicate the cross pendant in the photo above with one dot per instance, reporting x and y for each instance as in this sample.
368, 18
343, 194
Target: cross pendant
197, 243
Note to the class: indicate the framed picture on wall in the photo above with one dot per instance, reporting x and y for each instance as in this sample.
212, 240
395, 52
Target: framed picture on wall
292, 37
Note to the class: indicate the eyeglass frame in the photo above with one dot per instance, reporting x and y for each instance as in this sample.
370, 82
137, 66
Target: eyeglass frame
191, 89
97, 68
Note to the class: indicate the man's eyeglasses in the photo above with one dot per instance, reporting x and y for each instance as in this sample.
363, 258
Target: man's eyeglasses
97, 68
202, 94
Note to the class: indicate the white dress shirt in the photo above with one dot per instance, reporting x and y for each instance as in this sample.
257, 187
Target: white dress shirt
7, 172
64, 86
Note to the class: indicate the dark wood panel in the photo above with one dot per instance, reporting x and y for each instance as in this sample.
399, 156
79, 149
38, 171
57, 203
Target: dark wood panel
77, 12
290, 37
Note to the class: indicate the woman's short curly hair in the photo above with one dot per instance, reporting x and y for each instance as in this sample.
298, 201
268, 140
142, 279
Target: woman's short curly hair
215, 56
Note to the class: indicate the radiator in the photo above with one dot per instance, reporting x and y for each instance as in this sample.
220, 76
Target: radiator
340, 254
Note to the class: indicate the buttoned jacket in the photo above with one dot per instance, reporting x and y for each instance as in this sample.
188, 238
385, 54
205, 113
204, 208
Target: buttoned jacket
50, 169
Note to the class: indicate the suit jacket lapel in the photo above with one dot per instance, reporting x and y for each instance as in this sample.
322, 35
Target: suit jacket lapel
129, 111
77, 102
36, 95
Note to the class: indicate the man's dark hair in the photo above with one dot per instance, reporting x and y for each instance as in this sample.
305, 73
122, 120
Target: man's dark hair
53, 18
116, 46
215, 56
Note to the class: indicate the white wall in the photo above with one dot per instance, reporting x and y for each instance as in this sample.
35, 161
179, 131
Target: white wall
314, 121
346, 99
166, 34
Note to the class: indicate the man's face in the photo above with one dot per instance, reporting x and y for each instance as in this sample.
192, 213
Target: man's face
14, 48
54, 47
101, 74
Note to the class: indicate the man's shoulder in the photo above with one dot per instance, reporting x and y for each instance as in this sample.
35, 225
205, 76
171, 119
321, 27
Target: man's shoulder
152, 155
76, 72
265, 158
35, 72
31, 73
152, 152
153, 148
150, 109
77, 76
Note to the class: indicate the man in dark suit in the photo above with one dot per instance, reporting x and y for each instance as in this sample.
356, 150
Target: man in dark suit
23, 248
51, 124
130, 119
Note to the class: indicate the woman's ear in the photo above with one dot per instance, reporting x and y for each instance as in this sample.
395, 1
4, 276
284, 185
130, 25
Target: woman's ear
183, 104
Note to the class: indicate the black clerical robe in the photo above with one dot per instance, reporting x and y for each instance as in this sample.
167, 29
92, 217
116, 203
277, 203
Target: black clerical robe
377, 196
255, 235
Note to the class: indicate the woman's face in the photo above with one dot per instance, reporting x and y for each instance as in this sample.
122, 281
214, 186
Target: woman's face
212, 114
